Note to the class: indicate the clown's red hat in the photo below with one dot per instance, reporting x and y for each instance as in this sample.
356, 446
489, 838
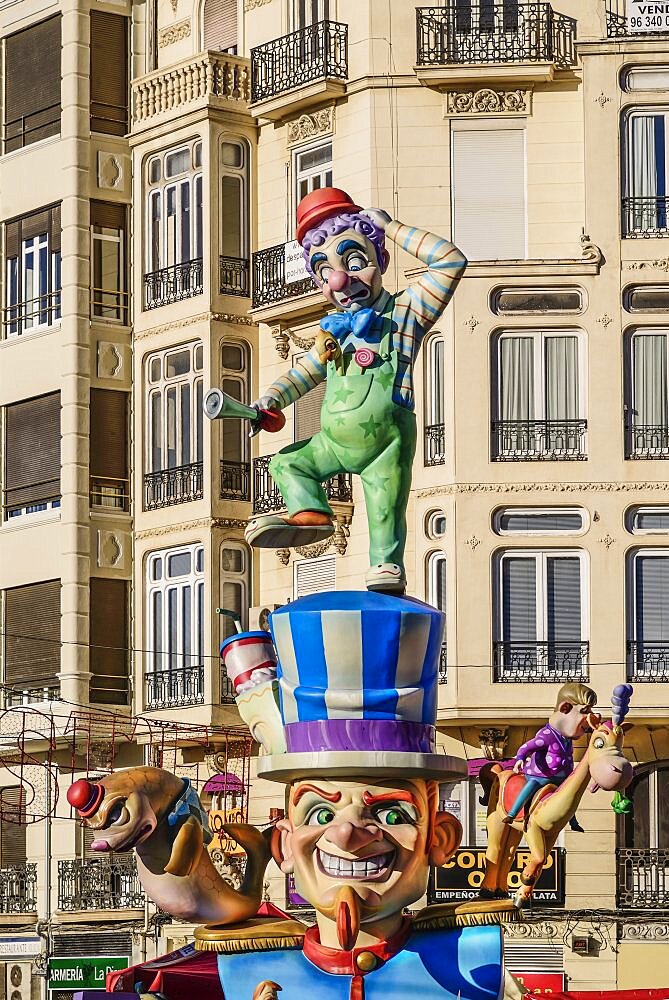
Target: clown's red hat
319, 205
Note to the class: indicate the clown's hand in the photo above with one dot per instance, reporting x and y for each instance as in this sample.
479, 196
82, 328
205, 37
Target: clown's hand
378, 216
264, 403
518, 766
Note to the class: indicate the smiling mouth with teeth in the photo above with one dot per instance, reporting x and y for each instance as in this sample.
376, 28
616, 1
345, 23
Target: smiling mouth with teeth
372, 869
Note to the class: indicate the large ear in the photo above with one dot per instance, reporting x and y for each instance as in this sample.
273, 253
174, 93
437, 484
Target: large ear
446, 837
565, 707
282, 846
385, 260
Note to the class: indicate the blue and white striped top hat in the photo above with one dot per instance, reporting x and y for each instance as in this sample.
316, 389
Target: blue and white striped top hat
358, 674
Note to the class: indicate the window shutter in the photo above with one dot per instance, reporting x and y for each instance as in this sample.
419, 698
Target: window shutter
55, 230
35, 224
109, 434
489, 213
109, 73
220, 25
32, 84
108, 215
32, 450
312, 576
308, 413
109, 642
13, 827
47, 220
519, 601
12, 238
539, 957
523, 521
563, 595
32, 639
652, 598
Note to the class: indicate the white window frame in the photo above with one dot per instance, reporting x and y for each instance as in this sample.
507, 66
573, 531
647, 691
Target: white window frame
501, 511
171, 252
434, 404
242, 378
654, 552
630, 116
309, 174
166, 659
194, 378
101, 308
324, 12
430, 518
23, 312
635, 333
541, 556
243, 174
433, 563
632, 513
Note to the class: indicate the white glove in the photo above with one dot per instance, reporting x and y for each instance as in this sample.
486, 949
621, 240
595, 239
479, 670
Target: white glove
379, 216
264, 403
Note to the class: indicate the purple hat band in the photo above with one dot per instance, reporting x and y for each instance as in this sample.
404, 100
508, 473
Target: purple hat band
321, 735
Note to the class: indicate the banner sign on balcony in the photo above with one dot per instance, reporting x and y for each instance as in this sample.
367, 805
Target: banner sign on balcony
83, 973
644, 17
461, 878
294, 267
541, 982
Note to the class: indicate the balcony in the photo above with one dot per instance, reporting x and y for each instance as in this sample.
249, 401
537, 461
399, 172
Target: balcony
540, 662
174, 688
539, 440
32, 315
104, 884
645, 218
307, 67
647, 661
643, 878
481, 42
617, 25
269, 278
228, 695
233, 276
18, 889
235, 481
647, 441
267, 496
434, 445
172, 486
110, 494
21, 132
173, 284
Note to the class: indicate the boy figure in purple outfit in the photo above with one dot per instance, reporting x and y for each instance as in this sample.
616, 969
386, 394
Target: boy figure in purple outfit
548, 758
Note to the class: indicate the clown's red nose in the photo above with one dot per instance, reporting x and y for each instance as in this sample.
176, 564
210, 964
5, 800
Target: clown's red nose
85, 796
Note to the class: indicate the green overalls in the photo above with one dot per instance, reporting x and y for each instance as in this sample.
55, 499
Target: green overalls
362, 431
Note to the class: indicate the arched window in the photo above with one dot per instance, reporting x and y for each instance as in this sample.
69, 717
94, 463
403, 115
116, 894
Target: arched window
643, 842
434, 416
234, 586
234, 217
436, 596
219, 23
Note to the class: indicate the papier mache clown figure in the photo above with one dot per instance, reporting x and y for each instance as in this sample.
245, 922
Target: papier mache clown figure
367, 351
347, 725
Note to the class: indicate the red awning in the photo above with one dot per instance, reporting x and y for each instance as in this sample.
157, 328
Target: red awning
613, 995
183, 973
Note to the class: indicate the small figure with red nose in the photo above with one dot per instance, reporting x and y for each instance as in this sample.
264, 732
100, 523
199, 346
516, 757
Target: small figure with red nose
367, 351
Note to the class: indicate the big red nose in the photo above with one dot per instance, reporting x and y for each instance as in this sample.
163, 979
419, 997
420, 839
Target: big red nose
337, 280
85, 797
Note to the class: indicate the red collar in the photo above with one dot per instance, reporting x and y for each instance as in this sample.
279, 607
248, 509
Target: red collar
348, 963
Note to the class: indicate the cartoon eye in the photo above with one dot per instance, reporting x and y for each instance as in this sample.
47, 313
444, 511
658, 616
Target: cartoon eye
395, 815
599, 743
117, 813
356, 262
323, 272
320, 816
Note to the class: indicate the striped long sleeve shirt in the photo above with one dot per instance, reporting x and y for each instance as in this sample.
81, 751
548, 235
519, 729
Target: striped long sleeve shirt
404, 317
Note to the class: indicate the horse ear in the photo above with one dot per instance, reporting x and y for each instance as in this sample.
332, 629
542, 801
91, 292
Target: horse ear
626, 726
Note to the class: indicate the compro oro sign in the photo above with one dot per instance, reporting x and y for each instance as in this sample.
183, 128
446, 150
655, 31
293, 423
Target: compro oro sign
461, 878
83, 973
644, 17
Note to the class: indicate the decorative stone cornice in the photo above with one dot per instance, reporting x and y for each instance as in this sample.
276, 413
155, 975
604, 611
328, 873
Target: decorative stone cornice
644, 932
590, 251
546, 929
283, 336
337, 541
545, 487
174, 33
252, 4
202, 522
308, 126
659, 264
487, 101
204, 317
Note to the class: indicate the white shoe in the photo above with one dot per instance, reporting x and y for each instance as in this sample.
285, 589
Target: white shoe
388, 577
270, 531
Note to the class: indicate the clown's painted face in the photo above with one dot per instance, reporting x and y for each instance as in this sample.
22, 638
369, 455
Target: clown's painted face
378, 838
347, 270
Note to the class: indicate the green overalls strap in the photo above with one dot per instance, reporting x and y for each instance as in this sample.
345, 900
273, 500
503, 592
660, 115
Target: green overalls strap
365, 432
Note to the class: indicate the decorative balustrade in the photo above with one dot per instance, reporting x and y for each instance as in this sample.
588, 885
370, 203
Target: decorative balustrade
104, 884
209, 74
171, 486
18, 888
172, 688
316, 52
643, 878
541, 662
172, 284
435, 445
269, 278
647, 661
645, 218
539, 440
504, 33
647, 441
235, 480
233, 276
267, 496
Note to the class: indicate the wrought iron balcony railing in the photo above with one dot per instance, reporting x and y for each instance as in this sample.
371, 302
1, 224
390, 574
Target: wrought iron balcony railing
643, 878
269, 278
647, 661
443, 668
171, 486
31, 695
645, 217
647, 441
267, 496
18, 888
435, 445
171, 688
172, 284
92, 884
233, 276
504, 33
227, 690
235, 480
541, 662
316, 52
32, 315
539, 440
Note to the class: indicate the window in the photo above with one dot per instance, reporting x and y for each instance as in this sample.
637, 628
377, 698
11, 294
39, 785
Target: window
234, 234
33, 272
235, 446
13, 838
435, 524
541, 617
109, 449
32, 642
174, 226
110, 639
175, 627
645, 201
313, 576
234, 586
646, 298
307, 410
648, 398
526, 301
640, 78
436, 596
308, 12
526, 521
109, 297
435, 421
312, 169
540, 390
648, 615
648, 520
109, 73
32, 457
32, 85
483, 17
643, 839
463, 800
489, 210
174, 426
220, 25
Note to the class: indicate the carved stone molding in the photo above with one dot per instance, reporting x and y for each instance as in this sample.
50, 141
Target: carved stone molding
205, 317
202, 522
544, 929
281, 342
644, 932
337, 541
471, 323
607, 541
113, 547
252, 4
232, 318
487, 101
456, 488
111, 170
590, 251
174, 33
473, 542
660, 264
112, 360
283, 555
605, 320
308, 126
174, 4
602, 100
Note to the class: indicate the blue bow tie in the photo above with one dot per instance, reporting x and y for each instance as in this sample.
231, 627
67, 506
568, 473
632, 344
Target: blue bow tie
340, 324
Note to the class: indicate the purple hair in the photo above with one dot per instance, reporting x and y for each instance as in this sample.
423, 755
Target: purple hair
338, 224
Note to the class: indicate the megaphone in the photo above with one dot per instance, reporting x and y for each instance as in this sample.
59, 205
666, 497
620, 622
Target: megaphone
219, 406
